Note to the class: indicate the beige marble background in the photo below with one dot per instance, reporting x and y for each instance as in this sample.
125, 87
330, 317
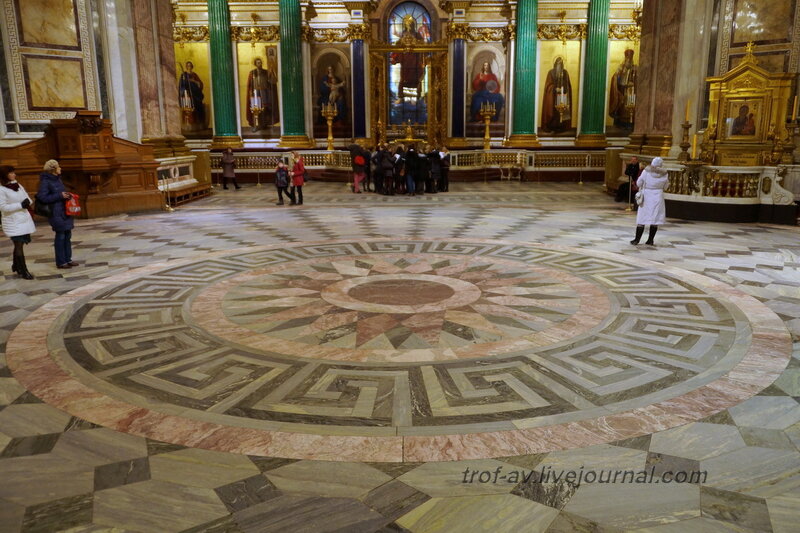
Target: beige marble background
48, 22
760, 20
55, 83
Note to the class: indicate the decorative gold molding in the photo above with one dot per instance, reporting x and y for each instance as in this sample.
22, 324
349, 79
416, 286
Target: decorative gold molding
255, 34
562, 32
359, 31
189, 34
625, 32
325, 35
459, 30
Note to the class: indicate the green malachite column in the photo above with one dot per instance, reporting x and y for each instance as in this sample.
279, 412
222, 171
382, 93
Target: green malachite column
222, 72
592, 131
293, 112
523, 128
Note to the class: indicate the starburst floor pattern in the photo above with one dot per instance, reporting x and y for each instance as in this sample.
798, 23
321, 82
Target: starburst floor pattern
402, 349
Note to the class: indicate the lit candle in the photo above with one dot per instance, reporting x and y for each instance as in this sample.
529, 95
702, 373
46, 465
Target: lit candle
794, 109
694, 147
686, 115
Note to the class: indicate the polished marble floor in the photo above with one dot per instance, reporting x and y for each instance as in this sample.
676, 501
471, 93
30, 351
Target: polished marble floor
430, 363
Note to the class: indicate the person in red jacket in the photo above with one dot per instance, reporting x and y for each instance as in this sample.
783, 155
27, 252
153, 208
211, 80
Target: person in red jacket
298, 177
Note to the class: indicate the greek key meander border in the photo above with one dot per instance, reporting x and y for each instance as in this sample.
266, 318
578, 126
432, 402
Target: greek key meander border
30, 361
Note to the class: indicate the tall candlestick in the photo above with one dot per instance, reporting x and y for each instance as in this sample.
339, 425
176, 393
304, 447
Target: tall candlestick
694, 147
686, 115
794, 109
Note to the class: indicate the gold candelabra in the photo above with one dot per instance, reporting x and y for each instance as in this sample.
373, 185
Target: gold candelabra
487, 112
329, 111
256, 108
685, 144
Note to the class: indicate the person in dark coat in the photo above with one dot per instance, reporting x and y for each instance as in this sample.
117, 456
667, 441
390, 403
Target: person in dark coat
412, 171
444, 163
52, 191
387, 167
400, 170
627, 189
432, 174
376, 170
228, 164
282, 183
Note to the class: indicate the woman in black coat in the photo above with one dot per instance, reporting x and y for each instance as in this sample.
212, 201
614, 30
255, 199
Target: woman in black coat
53, 192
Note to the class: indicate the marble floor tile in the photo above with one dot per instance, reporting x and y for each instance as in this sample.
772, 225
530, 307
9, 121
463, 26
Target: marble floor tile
739, 509
323, 478
474, 514
201, 468
309, 513
697, 441
156, 506
770, 412
394, 499
755, 471
631, 506
99, 446
24, 420
465, 478
42, 478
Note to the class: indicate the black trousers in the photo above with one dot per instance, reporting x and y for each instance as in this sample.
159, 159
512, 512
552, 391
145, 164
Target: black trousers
297, 192
282, 191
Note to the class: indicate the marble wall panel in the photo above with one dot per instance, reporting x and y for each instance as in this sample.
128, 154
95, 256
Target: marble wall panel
772, 61
48, 23
51, 59
146, 59
762, 22
665, 74
54, 83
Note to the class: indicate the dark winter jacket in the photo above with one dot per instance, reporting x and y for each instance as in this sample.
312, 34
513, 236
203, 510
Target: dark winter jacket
50, 189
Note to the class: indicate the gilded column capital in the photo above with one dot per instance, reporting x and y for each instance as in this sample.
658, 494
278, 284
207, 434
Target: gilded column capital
361, 31
457, 30
449, 5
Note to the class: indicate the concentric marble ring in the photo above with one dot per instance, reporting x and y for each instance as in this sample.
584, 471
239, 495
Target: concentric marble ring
318, 350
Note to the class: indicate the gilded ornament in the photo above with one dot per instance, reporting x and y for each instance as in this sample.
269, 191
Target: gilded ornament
561, 32
189, 34
359, 31
255, 34
625, 32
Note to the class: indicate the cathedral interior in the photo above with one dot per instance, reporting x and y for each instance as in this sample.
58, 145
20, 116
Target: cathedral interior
490, 354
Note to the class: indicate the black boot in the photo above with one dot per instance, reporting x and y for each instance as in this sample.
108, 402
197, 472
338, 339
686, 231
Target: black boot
639, 231
653, 230
23, 269
15, 265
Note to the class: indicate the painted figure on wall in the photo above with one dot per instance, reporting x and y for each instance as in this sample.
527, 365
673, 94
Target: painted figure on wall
486, 89
622, 93
190, 92
262, 109
557, 99
745, 123
331, 91
412, 66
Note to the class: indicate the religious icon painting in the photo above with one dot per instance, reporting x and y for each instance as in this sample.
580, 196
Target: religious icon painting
193, 86
742, 119
258, 90
486, 89
623, 68
330, 72
559, 70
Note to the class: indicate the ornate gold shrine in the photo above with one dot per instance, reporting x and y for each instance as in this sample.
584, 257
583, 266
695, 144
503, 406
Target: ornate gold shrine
747, 123
436, 126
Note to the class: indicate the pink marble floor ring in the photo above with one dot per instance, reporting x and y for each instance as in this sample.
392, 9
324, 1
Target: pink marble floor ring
51, 377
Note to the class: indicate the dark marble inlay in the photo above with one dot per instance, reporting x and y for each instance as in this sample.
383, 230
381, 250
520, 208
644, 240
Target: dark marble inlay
394, 469
297, 513
122, 473
636, 443
38, 444
662, 463
743, 510
265, 464
401, 292
555, 495
26, 397
246, 493
155, 447
58, 515
394, 499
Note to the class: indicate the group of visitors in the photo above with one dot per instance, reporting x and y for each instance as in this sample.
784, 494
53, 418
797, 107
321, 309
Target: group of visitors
397, 170
17, 223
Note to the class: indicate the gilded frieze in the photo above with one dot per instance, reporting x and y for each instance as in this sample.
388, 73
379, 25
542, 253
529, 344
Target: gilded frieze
562, 32
189, 34
624, 32
255, 34
491, 34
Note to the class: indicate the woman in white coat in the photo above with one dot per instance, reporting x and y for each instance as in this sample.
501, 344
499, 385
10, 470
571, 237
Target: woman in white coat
652, 212
17, 221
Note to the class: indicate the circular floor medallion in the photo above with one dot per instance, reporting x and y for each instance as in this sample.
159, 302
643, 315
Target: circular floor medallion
384, 350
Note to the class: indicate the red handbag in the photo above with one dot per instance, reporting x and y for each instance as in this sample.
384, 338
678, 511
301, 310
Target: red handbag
73, 207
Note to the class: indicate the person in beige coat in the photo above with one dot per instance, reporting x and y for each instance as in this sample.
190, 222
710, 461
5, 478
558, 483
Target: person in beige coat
17, 221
